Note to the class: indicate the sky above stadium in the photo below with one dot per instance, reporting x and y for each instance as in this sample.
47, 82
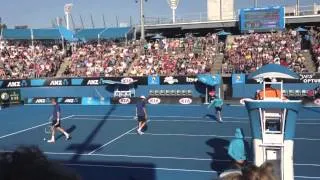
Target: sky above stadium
40, 13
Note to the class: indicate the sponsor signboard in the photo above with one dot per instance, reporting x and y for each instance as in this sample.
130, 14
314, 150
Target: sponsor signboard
99, 81
185, 101
159, 100
153, 80
154, 100
10, 96
124, 100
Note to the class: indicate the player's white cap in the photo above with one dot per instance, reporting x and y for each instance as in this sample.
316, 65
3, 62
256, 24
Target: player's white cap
142, 97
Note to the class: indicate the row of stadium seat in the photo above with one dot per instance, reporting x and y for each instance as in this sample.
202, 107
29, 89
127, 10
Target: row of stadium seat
170, 93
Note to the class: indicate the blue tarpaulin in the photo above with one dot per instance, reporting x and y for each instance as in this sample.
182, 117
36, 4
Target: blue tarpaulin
38, 34
17, 34
102, 33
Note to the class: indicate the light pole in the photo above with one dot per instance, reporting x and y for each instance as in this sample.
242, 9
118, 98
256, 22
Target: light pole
255, 3
298, 7
173, 4
67, 11
142, 18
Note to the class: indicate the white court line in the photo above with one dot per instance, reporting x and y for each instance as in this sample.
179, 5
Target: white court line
187, 117
306, 177
34, 127
180, 120
189, 135
135, 156
97, 115
113, 140
137, 167
157, 120
154, 157
316, 165
213, 135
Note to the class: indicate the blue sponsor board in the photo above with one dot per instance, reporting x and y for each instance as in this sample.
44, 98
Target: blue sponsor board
38, 82
39, 100
95, 101
153, 80
47, 100
238, 78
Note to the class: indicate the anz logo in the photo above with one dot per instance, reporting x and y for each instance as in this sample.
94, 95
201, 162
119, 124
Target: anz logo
14, 84
40, 101
63, 82
56, 83
93, 82
70, 101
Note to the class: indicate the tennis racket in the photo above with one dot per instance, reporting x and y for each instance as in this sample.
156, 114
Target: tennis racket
47, 129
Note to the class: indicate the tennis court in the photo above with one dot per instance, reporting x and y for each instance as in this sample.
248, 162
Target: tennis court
181, 142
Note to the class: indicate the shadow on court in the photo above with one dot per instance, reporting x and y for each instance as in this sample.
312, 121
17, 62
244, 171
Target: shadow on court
87, 145
69, 130
221, 161
113, 170
220, 158
211, 116
316, 110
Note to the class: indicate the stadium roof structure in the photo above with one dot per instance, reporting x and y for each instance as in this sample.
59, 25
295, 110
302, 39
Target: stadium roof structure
103, 33
38, 34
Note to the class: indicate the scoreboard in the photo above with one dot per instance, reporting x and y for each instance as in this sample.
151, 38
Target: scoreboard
262, 19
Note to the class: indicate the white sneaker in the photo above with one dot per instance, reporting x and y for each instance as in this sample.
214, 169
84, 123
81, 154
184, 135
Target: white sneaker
68, 137
140, 132
51, 141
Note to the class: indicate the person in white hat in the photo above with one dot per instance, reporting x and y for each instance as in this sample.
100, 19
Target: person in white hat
141, 114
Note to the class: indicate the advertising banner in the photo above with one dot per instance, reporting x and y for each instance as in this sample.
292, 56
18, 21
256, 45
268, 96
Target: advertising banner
101, 81
95, 101
47, 100
183, 100
238, 78
10, 96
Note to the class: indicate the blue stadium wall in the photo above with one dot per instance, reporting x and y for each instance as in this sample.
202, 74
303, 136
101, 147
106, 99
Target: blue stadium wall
249, 90
97, 91
242, 88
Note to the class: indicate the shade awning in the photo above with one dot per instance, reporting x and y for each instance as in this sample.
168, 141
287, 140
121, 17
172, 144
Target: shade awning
273, 71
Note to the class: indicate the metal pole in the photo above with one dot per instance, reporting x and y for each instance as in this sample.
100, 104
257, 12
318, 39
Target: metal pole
173, 15
298, 7
104, 21
92, 23
67, 21
206, 98
220, 9
255, 3
142, 19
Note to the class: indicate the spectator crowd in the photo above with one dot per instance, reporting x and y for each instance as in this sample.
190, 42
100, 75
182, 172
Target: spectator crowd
162, 56
245, 54
105, 59
185, 56
18, 60
315, 42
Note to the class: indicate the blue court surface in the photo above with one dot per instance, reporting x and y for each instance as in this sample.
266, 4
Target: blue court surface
181, 142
